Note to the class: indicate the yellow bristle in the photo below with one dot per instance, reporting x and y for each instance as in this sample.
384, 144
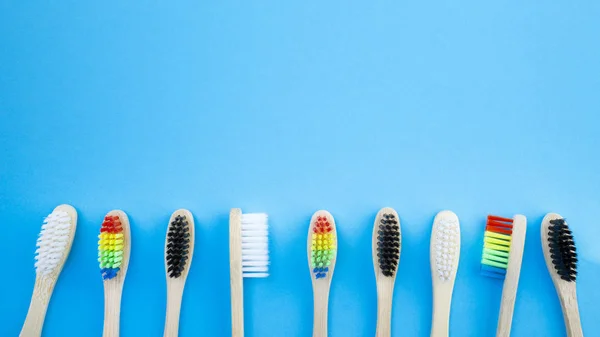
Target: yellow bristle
497, 236
496, 241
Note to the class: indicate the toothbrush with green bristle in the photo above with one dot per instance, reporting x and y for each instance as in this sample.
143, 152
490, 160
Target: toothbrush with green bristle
322, 254
504, 241
114, 249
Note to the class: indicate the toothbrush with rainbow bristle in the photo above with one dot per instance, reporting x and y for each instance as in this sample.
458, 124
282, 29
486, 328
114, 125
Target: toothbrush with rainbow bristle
504, 241
114, 248
322, 254
248, 258
444, 257
54, 244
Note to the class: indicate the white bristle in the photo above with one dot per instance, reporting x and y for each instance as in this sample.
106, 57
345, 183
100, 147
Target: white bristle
253, 239
52, 242
447, 247
258, 245
255, 245
254, 251
255, 269
255, 263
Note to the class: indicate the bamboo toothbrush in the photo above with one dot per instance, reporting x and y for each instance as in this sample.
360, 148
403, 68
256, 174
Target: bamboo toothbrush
248, 258
444, 257
54, 244
322, 254
561, 259
504, 240
114, 248
387, 244
179, 249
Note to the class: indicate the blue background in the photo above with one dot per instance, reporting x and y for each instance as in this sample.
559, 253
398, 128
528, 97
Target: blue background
289, 107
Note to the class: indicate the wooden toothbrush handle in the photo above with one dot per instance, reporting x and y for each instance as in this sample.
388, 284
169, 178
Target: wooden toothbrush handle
511, 282
174, 297
384, 310
507, 308
571, 314
113, 290
235, 273
36, 314
441, 314
321, 303
573, 323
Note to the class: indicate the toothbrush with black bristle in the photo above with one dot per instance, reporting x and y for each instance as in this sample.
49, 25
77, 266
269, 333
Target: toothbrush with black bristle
387, 245
561, 259
114, 247
54, 245
179, 249
322, 255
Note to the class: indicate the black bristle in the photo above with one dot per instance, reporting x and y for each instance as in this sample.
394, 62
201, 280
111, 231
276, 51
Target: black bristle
177, 246
562, 250
388, 244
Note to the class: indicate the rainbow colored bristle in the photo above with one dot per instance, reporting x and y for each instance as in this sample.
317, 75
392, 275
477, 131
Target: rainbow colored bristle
322, 247
110, 247
496, 246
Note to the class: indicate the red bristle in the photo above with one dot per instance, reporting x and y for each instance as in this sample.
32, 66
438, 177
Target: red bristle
322, 225
497, 229
498, 218
500, 224
111, 224
117, 224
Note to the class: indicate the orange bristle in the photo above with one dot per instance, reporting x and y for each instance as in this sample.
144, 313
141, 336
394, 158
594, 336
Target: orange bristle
498, 230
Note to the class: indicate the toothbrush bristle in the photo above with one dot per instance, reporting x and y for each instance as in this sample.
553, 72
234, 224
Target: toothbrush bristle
255, 245
388, 244
178, 244
446, 246
110, 247
52, 242
496, 246
323, 247
562, 250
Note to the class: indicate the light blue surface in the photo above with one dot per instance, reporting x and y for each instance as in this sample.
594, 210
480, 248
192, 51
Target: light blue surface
475, 106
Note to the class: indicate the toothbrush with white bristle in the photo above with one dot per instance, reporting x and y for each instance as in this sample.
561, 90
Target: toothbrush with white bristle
444, 257
248, 258
54, 245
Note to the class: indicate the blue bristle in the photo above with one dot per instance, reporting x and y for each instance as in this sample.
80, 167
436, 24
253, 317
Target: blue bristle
109, 273
493, 275
494, 272
493, 269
